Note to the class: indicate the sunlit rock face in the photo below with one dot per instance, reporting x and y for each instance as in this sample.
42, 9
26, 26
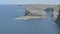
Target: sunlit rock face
37, 12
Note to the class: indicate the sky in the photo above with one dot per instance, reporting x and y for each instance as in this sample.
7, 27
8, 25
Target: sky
29, 1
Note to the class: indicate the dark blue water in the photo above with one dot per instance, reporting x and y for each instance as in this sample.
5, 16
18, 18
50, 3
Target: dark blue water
9, 25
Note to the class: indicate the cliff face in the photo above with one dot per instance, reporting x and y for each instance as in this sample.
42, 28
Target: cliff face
39, 10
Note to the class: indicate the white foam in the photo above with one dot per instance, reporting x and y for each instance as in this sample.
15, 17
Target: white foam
21, 18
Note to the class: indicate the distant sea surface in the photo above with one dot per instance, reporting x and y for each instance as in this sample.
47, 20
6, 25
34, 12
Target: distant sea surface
9, 25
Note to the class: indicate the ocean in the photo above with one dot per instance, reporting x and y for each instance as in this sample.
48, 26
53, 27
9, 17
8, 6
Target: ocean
9, 25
